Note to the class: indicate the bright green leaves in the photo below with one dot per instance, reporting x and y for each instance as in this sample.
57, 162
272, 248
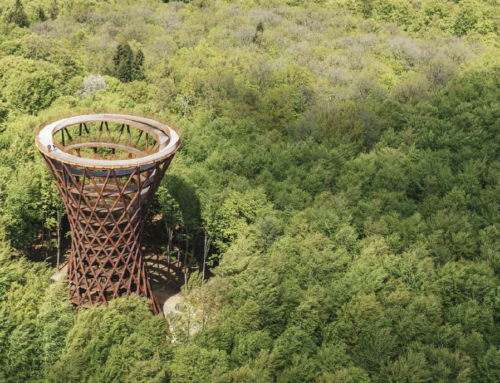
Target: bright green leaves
125, 342
43, 339
30, 93
196, 364
341, 165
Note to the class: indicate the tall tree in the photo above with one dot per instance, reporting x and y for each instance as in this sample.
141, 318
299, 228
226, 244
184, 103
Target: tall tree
41, 14
54, 10
172, 217
18, 16
138, 68
124, 63
258, 32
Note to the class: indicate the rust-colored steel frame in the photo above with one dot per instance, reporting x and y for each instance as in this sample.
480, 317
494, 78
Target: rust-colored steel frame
107, 201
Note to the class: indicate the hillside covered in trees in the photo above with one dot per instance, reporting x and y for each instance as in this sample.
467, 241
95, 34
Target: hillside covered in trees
339, 175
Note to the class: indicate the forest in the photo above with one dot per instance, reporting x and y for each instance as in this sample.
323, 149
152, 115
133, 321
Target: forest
335, 201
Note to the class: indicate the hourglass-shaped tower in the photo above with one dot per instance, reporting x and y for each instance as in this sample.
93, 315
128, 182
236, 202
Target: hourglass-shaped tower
107, 168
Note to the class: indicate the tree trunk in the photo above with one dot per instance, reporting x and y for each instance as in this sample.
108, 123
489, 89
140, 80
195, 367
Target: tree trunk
58, 237
205, 253
185, 259
44, 229
170, 233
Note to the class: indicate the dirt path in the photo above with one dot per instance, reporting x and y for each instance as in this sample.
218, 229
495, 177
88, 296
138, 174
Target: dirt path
168, 300
58, 275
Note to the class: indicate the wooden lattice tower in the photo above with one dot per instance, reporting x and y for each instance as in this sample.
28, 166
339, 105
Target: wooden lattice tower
107, 168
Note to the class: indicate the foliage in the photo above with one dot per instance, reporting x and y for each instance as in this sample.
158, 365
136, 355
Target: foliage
18, 16
338, 175
128, 66
124, 61
31, 93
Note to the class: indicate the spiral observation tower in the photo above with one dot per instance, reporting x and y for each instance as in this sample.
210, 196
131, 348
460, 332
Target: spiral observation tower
107, 168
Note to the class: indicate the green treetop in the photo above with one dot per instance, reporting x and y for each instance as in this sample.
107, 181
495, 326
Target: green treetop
124, 63
18, 16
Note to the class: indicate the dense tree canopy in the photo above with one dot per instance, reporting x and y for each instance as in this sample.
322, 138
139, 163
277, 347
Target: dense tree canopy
339, 175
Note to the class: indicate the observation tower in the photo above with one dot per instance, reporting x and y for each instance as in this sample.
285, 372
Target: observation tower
107, 168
